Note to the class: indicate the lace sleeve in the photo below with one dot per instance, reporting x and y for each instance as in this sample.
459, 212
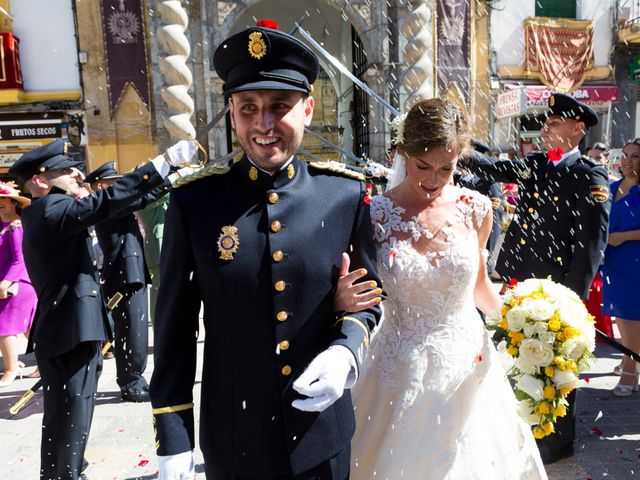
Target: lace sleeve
481, 206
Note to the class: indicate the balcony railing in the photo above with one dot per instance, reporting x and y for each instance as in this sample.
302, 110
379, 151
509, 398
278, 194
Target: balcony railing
627, 21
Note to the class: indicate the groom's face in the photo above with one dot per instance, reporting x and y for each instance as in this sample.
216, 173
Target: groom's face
429, 172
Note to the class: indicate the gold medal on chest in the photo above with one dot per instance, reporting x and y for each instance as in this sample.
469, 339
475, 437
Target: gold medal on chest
228, 242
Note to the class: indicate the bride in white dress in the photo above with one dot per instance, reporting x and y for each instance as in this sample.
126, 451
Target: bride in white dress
432, 401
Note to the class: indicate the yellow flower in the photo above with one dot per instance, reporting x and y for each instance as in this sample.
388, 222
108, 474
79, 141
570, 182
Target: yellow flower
503, 312
548, 371
565, 391
560, 336
514, 302
538, 433
554, 324
542, 408
549, 392
559, 361
570, 332
513, 351
572, 365
504, 324
548, 428
559, 411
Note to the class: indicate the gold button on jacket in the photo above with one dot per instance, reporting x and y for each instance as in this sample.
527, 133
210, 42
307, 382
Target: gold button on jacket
275, 226
278, 255
284, 345
282, 316
280, 285
274, 197
286, 370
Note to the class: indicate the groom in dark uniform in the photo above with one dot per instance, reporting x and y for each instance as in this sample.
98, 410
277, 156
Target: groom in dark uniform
561, 221
71, 320
261, 245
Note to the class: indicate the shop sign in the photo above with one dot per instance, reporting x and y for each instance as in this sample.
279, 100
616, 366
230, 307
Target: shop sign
511, 103
30, 130
595, 96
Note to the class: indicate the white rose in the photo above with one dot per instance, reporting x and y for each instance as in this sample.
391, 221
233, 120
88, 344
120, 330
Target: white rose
516, 318
547, 337
538, 309
526, 412
540, 327
573, 348
528, 330
524, 366
531, 386
573, 312
522, 289
565, 379
536, 352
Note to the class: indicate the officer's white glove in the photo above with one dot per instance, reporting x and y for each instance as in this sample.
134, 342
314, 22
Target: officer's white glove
182, 153
177, 467
324, 379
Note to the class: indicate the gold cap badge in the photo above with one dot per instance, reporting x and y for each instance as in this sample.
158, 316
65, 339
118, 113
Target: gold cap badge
228, 242
257, 47
552, 101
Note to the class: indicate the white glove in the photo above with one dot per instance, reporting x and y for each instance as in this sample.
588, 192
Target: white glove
177, 467
324, 380
182, 153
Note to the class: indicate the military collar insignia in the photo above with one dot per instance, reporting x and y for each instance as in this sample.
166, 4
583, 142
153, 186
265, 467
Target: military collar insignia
262, 179
257, 46
291, 171
253, 173
228, 242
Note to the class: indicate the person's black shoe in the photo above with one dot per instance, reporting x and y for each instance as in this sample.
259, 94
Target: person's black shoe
549, 455
83, 477
85, 465
135, 396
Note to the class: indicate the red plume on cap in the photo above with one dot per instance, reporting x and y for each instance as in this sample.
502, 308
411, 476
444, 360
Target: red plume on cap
268, 24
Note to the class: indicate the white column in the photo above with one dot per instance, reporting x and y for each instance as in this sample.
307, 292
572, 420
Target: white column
177, 76
417, 28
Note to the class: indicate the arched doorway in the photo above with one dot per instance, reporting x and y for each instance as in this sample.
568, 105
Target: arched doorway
341, 114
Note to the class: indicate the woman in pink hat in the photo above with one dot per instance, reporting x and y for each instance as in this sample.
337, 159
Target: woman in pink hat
17, 297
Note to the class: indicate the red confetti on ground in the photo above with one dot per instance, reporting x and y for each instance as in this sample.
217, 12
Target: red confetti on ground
143, 463
587, 379
597, 431
121, 430
479, 357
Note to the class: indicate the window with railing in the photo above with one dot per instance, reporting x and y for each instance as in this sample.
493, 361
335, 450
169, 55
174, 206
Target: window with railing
556, 8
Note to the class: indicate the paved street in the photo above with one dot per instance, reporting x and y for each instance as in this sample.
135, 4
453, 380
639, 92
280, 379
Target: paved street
121, 442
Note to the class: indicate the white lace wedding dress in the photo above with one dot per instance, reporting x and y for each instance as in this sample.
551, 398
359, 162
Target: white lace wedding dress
432, 401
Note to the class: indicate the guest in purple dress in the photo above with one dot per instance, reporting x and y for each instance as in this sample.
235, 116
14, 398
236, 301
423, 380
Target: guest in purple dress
17, 296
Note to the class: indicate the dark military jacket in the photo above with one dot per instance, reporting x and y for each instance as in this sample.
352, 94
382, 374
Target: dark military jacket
561, 220
263, 253
124, 265
59, 256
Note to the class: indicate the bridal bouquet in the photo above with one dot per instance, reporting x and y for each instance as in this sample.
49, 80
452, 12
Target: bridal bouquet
551, 335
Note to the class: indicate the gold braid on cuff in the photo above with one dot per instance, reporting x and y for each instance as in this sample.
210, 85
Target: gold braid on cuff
175, 408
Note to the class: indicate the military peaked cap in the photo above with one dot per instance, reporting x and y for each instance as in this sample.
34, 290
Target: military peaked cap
52, 156
106, 171
568, 107
264, 58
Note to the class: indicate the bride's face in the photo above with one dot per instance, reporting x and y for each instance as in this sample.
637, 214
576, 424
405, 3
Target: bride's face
429, 172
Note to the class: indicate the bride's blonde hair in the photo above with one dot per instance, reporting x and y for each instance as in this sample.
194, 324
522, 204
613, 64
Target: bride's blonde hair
433, 123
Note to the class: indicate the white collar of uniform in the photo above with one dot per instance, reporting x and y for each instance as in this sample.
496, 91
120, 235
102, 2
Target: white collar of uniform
565, 155
286, 164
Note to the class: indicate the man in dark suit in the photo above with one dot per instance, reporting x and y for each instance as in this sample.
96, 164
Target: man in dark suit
124, 270
561, 221
261, 245
71, 320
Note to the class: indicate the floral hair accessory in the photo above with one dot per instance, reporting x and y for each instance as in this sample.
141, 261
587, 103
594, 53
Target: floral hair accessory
266, 23
397, 129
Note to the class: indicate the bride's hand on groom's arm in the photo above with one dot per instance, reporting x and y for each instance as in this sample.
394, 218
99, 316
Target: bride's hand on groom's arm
351, 296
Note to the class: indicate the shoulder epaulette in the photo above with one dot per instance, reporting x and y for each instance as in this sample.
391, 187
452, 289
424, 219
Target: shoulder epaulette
202, 173
338, 168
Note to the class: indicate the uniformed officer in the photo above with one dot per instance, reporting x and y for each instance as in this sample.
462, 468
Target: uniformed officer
261, 246
493, 191
560, 225
71, 319
124, 270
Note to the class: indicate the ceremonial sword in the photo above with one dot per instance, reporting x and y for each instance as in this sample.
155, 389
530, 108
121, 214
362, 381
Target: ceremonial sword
28, 395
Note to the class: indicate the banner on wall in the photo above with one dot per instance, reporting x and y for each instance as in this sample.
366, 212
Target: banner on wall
453, 47
559, 51
125, 48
